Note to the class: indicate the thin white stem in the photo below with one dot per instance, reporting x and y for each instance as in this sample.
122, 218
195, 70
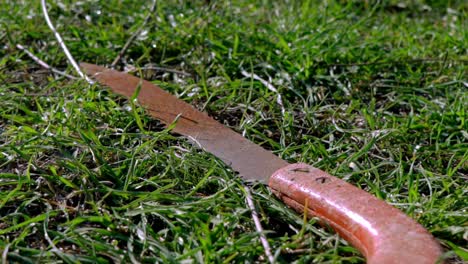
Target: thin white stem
5, 253
62, 44
258, 225
44, 64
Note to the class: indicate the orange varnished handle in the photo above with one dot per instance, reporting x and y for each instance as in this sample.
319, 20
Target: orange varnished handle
381, 232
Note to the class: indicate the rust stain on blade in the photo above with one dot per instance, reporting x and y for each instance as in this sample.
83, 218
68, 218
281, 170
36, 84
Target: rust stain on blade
250, 160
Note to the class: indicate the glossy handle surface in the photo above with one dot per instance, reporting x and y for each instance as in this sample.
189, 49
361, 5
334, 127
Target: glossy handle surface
381, 232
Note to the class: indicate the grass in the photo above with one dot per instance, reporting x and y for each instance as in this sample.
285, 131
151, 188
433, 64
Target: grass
375, 94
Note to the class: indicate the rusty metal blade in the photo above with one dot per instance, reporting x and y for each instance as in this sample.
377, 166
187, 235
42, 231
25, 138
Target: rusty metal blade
251, 161
382, 233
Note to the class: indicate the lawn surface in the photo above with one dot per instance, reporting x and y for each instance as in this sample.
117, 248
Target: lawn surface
374, 94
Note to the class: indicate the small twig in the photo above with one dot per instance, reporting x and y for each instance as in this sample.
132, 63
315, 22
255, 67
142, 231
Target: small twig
258, 225
5, 253
62, 44
46, 235
299, 251
161, 69
268, 85
133, 37
44, 64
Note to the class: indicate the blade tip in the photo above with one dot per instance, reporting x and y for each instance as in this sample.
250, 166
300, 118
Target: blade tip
92, 69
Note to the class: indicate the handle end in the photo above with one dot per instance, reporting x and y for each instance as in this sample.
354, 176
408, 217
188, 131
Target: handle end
381, 232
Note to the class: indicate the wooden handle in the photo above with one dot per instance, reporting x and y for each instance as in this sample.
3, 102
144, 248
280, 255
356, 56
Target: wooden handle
381, 232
